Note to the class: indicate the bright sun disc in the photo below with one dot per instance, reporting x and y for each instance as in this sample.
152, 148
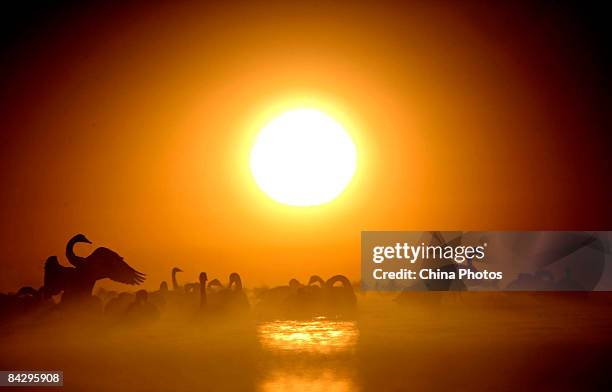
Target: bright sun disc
303, 158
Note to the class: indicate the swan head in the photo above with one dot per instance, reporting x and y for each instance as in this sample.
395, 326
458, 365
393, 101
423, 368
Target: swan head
294, 284
176, 269
235, 278
203, 278
163, 286
141, 296
80, 238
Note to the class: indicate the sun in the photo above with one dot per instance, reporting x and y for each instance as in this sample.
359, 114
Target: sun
303, 158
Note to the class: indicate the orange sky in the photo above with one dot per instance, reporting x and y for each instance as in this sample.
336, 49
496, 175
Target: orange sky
133, 125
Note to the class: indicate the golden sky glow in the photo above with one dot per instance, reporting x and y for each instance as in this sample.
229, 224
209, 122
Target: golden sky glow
136, 129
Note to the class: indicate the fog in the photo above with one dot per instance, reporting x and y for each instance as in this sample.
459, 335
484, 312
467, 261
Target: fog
480, 341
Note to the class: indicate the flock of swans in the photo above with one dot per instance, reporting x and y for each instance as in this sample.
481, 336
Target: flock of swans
71, 288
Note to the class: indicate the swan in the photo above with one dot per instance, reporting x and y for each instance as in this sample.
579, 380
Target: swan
216, 294
158, 298
234, 279
117, 306
105, 295
311, 298
233, 297
102, 263
340, 297
78, 281
313, 291
175, 285
240, 298
203, 297
141, 311
182, 299
28, 291
280, 293
215, 285
191, 288
280, 301
25, 302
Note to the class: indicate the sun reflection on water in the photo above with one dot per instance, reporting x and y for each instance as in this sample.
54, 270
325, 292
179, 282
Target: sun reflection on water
308, 355
315, 336
326, 381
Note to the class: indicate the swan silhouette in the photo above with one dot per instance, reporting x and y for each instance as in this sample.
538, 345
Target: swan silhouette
203, 297
233, 297
313, 295
181, 300
158, 298
342, 297
191, 288
278, 294
313, 291
217, 295
215, 285
102, 263
141, 311
332, 297
78, 281
116, 307
175, 285
281, 301
163, 287
26, 301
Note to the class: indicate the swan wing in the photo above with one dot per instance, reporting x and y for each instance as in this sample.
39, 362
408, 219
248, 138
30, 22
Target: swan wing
105, 263
56, 276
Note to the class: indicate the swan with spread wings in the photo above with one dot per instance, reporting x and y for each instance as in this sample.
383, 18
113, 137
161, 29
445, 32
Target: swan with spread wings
79, 281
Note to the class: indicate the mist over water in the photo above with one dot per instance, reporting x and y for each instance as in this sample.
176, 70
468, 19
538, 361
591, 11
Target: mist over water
480, 341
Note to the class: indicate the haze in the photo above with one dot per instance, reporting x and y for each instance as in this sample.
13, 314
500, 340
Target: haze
134, 129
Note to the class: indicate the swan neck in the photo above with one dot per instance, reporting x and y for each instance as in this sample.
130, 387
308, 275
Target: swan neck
72, 258
346, 284
175, 285
203, 298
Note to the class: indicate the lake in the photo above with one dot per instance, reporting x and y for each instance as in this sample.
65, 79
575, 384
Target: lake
476, 341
